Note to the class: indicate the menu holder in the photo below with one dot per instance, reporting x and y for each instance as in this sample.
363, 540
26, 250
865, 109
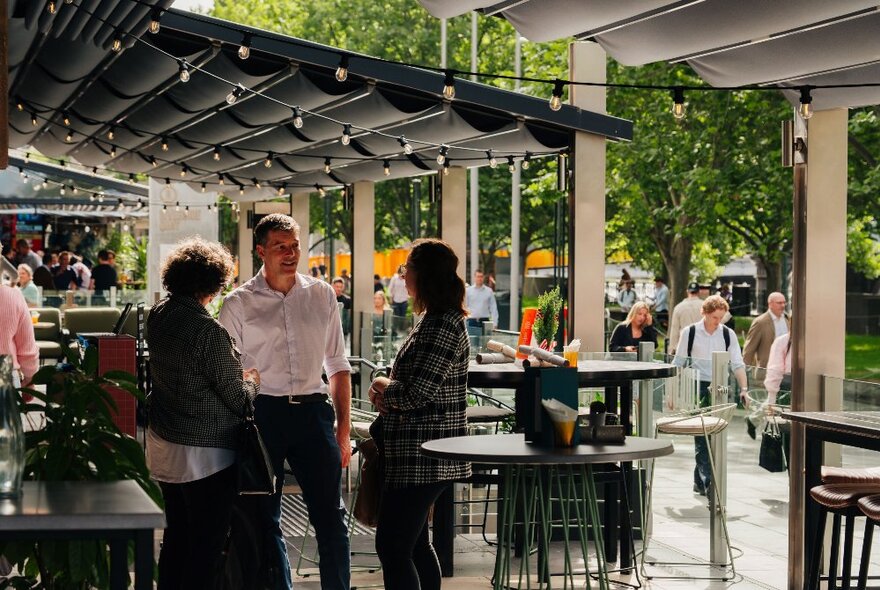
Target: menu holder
538, 384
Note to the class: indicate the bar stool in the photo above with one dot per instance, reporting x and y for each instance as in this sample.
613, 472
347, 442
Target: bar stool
841, 500
705, 422
865, 475
870, 507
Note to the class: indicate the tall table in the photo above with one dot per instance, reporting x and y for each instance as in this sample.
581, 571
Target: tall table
117, 511
531, 475
853, 429
617, 378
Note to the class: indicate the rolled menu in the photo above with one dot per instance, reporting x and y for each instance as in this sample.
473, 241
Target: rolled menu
543, 355
489, 358
496, 346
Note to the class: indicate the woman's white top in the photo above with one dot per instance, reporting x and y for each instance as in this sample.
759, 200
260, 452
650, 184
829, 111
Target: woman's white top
173, 463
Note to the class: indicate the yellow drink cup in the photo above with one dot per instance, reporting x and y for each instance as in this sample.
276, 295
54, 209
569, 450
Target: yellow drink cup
564, 432
571, 357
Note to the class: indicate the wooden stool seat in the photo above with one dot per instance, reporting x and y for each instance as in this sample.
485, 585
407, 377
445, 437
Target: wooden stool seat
840, 496
863, 475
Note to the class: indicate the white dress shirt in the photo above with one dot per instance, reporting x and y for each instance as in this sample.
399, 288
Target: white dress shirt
480, 303
287, 337
704, 345
780, 325
397, 289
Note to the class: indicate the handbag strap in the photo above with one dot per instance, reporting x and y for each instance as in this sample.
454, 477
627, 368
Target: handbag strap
248, 408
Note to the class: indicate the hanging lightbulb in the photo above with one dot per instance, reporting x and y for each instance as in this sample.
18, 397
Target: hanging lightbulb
164, 209
183, 171
492, 161
556, 98
268, 161
87, 229
678, 106
321, 191
407, 148
154, 22
183, 73
20, 106
527, 160
100, 197
244, 51
281, 189
241, 189
204, 187
33, 119
386, 167
446, 167
167, 182
44, 184
511, 166
27, 157
235, 94
111, 134
297, 118
153, 161
221, 182
186, 211
805, 110
256, 183
69, 137
140, 204
164, 144
342, 68
112, 151
346, 134
327, 162
209, 207
51, 7
177, 206
449, 85
441, 157
117, 45
61, 190
131, 179
120, 203
66, 119
75, 190
125, 227
92, 197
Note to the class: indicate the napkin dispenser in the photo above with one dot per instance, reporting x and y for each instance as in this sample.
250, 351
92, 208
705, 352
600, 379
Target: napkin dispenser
541, 383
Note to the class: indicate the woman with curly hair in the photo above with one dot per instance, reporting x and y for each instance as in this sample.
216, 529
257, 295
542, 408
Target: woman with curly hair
197, 403
424, 399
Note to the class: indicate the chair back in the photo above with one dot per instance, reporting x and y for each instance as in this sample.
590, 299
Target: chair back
90, 319
130, 326
684, 390
48, 315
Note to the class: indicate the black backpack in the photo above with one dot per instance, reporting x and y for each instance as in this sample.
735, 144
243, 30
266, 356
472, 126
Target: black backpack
692, 332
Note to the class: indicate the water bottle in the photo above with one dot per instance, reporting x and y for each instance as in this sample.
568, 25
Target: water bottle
11, 434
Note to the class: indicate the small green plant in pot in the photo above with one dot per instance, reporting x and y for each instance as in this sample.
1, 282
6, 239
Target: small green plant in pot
547, 319
79, 441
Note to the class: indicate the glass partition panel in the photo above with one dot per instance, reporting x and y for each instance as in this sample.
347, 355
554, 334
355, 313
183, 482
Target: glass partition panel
855, 396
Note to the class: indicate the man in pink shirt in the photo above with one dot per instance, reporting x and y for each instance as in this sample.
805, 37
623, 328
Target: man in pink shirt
17, 333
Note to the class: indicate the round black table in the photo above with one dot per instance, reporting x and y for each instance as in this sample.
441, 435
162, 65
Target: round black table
532, 476
590, 373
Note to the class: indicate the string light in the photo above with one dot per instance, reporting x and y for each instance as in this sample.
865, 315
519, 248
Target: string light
164, 208
177, 206
297, 118
556, 98
446, 167
527, 160
153, 161
154, 22
281, 189
131, 179
806, 107
51, 7
268, 161
327, 162
386, 167
92, 197
183, 73
244, 51
321, 191
164, 144
449, 85
678, 108
33, 119
441, 157
342, 68
204, 187
221, 182
235, 94
217, 153
407, 148
100, 197
61, 190
346, 134
183, 171
66, 119
117, 45
186, 211
510, 164
120, 203
69, 137
111, 134
256, 183
241, 189
44, 184
492, 161
74, 189
112, 151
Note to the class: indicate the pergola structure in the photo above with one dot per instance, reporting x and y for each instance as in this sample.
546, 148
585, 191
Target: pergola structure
803, 45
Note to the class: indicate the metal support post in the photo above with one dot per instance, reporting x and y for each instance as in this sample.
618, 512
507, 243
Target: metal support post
719, 390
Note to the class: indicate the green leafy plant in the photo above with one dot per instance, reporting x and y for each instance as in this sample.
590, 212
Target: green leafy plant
547, 318
78, 441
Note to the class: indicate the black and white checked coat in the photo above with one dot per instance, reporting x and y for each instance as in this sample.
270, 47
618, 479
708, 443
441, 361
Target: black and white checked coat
198, 395
426, 400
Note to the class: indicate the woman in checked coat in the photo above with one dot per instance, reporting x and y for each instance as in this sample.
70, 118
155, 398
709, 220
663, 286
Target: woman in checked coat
423, 400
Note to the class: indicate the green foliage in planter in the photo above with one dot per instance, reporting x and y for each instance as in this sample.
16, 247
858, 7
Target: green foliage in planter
547, 317
79, 441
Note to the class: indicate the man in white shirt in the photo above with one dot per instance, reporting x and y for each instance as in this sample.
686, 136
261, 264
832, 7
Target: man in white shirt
398, 293
480, 303
697, 342
287, 325
688, 311
627, 297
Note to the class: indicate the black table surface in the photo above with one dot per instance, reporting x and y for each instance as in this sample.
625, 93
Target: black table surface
513, 449
865, 424
510, 375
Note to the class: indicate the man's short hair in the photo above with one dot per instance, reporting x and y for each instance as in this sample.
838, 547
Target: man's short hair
713, 303
22, 242
47, 258
274, 222
337, 280
693, 288
106, 254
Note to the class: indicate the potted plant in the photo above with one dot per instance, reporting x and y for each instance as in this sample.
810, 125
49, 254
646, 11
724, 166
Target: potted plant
547, 319
78, 441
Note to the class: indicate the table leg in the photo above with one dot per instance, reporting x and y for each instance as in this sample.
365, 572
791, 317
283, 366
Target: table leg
118, 564
444, 530
626, 532
812, 477
590, 495
143, 559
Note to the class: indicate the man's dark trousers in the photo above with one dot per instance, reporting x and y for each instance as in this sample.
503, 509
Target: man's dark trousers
303, 434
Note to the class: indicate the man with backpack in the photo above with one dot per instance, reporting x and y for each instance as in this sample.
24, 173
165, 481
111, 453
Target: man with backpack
696, 343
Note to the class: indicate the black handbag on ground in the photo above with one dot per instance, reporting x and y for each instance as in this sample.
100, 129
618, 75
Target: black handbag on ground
774, 455
255, 472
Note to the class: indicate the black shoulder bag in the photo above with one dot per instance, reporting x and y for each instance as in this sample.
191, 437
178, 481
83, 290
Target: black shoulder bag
255, 472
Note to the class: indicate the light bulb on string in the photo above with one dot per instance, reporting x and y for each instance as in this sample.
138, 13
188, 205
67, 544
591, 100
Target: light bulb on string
526, 161
204, 187
441, 157
492, 161
321, 191
342, 68
346, 134
74, 190
112, 151
327, 163
51, 7
511, 165
92, 197
220, 180
186, 210
153, 161
386, 167
678, 106
69, 137
120, 203
164, 208
297, 118
805, 109
241, 189
20, 106
446, 167
111, 134
556, 98
209, 207
27, 157
131, 179
183, 72
154, 22
117, 45
66, 120
236, 93
177, 206
282, 189
44, 184
244, 50
164, 144
407, 148
100, 197
61, 190
268, 161
448, 85
256, 183
33, 119
183, 171
87, 229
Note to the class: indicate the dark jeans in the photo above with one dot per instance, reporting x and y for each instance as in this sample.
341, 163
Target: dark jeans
303, 435
399, 309
702, 470
408, 558
197, 514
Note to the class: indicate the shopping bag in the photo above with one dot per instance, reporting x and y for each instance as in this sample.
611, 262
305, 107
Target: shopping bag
369, 493
773, 455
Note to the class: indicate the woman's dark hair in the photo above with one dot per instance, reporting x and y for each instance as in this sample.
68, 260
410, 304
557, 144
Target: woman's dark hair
197, 268
438, 286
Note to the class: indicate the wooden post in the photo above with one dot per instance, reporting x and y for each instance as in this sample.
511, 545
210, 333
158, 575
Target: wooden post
4, 86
